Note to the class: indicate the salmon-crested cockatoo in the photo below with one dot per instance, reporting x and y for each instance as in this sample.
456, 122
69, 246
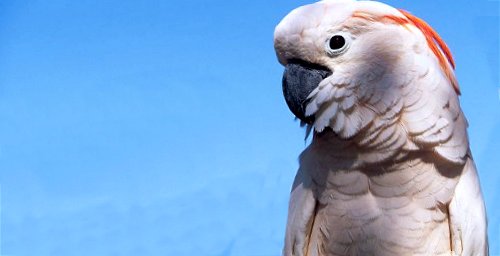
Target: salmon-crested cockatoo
389, 170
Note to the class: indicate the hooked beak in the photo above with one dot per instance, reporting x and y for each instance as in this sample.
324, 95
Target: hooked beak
299, 80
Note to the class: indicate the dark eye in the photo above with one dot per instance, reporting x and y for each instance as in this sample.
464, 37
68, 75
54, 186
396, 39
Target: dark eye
337, 42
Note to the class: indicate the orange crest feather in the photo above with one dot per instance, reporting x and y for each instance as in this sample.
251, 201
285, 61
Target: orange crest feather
434, 41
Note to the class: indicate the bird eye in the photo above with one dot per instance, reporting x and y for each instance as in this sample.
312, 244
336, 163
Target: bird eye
337, 44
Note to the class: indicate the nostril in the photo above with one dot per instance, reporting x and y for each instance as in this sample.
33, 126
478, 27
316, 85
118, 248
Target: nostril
311, 66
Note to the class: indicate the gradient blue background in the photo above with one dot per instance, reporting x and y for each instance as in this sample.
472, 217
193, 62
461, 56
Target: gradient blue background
158, 127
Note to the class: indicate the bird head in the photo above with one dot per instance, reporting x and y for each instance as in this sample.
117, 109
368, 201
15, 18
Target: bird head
348, 62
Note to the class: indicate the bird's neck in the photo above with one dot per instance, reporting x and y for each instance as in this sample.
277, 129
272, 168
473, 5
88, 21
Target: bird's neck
330, 147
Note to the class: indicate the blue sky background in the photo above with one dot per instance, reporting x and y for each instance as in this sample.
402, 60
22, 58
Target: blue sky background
158, 127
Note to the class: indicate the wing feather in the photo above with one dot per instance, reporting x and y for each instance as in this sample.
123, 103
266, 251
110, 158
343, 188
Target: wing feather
468, 215
301, 210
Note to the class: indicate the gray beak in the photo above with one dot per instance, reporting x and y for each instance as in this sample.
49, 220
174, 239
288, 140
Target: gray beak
299, 80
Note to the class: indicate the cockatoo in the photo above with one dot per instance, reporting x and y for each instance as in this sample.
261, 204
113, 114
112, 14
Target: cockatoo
388, 170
